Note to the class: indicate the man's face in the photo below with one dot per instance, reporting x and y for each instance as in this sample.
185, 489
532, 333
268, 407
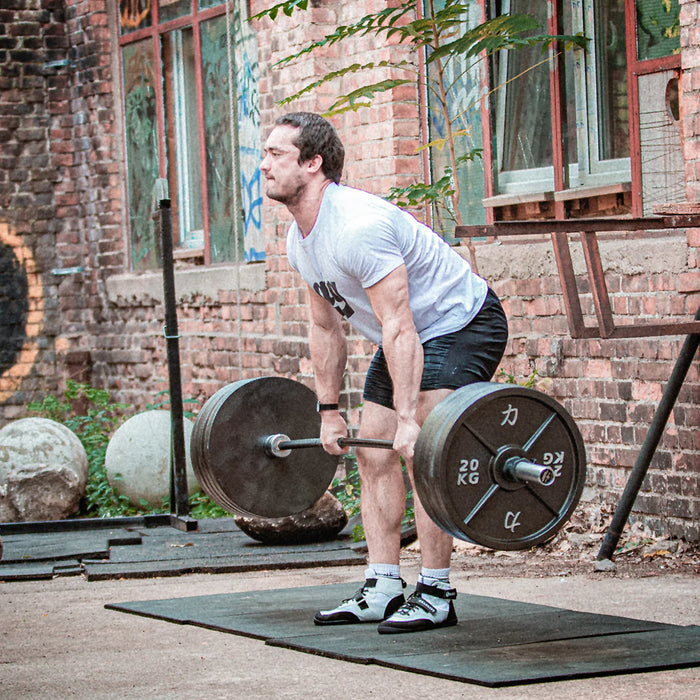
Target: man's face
285, 178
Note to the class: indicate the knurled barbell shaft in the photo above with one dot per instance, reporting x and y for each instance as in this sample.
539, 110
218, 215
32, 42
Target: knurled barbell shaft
343, 442
280, 445
518, 468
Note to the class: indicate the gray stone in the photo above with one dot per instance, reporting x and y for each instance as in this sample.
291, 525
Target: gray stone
43, 471
322, 522
604, 565
137, 461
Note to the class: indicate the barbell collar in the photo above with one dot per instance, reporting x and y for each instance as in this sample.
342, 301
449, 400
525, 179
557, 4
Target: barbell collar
519, 469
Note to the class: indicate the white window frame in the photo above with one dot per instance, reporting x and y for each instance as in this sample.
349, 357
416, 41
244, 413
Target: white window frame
589, 170
190, 237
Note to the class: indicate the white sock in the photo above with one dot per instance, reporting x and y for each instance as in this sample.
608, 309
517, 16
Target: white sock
427, 576
431, 577
386, 570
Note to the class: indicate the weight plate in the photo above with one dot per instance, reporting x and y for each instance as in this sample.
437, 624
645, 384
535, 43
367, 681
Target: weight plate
461, 452
230, 461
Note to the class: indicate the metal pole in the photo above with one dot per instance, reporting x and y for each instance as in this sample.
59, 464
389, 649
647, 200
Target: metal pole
656, 429
178, 465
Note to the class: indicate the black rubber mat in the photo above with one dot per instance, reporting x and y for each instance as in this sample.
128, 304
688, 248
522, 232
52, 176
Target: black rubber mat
139, 551
497, 642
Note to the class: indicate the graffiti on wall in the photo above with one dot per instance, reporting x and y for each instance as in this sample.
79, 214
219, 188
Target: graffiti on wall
249, 138
21, 307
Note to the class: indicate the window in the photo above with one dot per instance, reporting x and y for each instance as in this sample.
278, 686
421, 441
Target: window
593, 104
190, 115
464, 79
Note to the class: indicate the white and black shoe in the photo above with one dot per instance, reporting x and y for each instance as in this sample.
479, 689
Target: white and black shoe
428, 608
377, 599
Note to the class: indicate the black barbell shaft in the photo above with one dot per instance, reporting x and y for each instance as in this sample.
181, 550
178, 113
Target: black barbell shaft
343, 442
518, 469
280, 445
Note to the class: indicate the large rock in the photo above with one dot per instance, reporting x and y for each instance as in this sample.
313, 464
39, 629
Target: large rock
43, 471
138, 458
322, 522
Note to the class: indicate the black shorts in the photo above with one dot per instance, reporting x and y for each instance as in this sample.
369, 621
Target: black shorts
469, 355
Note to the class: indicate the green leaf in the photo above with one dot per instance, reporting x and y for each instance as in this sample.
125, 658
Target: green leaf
286, 7
367, 92
380, 23
421, 193
500, 33
334, 75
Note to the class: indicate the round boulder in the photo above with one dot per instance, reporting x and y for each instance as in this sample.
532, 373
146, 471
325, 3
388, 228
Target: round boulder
43, 471
137, 461
319, 523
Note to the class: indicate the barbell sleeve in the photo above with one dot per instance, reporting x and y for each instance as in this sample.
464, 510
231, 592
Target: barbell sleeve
520, 469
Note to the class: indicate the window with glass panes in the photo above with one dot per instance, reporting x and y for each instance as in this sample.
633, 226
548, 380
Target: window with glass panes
596, 107
186, 102
593, 102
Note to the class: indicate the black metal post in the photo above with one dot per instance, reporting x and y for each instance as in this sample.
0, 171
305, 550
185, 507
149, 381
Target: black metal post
178, 466
651, 441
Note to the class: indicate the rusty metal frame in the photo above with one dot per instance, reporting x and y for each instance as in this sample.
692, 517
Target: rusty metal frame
588, 229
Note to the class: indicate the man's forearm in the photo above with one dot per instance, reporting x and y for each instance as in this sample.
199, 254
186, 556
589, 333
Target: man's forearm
404, 357
328, 356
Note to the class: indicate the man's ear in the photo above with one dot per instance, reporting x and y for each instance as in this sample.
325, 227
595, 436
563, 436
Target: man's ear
313, 165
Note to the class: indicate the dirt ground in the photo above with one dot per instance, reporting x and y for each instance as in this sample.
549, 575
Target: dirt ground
574, 551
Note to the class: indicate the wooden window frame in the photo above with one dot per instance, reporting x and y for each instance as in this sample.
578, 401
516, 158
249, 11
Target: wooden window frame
155, 33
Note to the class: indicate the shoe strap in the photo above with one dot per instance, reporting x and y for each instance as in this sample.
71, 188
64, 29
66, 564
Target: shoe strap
416, 601
445, 593
372, 582
369, 583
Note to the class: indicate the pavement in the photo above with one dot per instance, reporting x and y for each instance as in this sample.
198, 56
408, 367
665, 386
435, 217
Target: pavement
58, 641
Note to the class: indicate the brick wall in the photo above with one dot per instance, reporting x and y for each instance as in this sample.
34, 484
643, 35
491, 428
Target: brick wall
61, 200
32, 36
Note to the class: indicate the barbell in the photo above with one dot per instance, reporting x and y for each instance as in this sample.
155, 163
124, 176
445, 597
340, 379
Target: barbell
498, 465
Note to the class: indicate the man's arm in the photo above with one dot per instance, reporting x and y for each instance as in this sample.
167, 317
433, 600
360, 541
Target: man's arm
403, 351
328, 349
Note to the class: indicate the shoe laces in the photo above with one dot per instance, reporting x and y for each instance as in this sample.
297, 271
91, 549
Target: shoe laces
414, 602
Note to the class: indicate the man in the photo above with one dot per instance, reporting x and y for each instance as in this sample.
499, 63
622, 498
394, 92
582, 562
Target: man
438, 326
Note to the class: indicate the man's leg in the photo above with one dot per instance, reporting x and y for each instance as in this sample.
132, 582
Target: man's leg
383, 503
431, 605
383, 498
435, 543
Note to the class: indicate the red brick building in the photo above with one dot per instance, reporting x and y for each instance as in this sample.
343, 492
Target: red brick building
100, 100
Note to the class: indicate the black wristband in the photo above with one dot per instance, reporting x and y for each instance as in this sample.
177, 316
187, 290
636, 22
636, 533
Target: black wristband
326, 407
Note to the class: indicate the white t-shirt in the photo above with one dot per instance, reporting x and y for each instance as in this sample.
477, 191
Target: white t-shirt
358, 239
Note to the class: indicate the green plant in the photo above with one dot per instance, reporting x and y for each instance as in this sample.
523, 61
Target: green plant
442, 32
348, 490
203, 508
533, 381
162, 403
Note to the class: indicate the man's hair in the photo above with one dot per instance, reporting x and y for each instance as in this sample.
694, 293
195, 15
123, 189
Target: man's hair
316, 136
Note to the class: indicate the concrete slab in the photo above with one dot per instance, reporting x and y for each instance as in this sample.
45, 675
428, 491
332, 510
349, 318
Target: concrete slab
59, 641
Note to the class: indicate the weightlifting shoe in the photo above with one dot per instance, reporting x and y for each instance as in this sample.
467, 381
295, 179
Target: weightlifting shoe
375, 601
428, 608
